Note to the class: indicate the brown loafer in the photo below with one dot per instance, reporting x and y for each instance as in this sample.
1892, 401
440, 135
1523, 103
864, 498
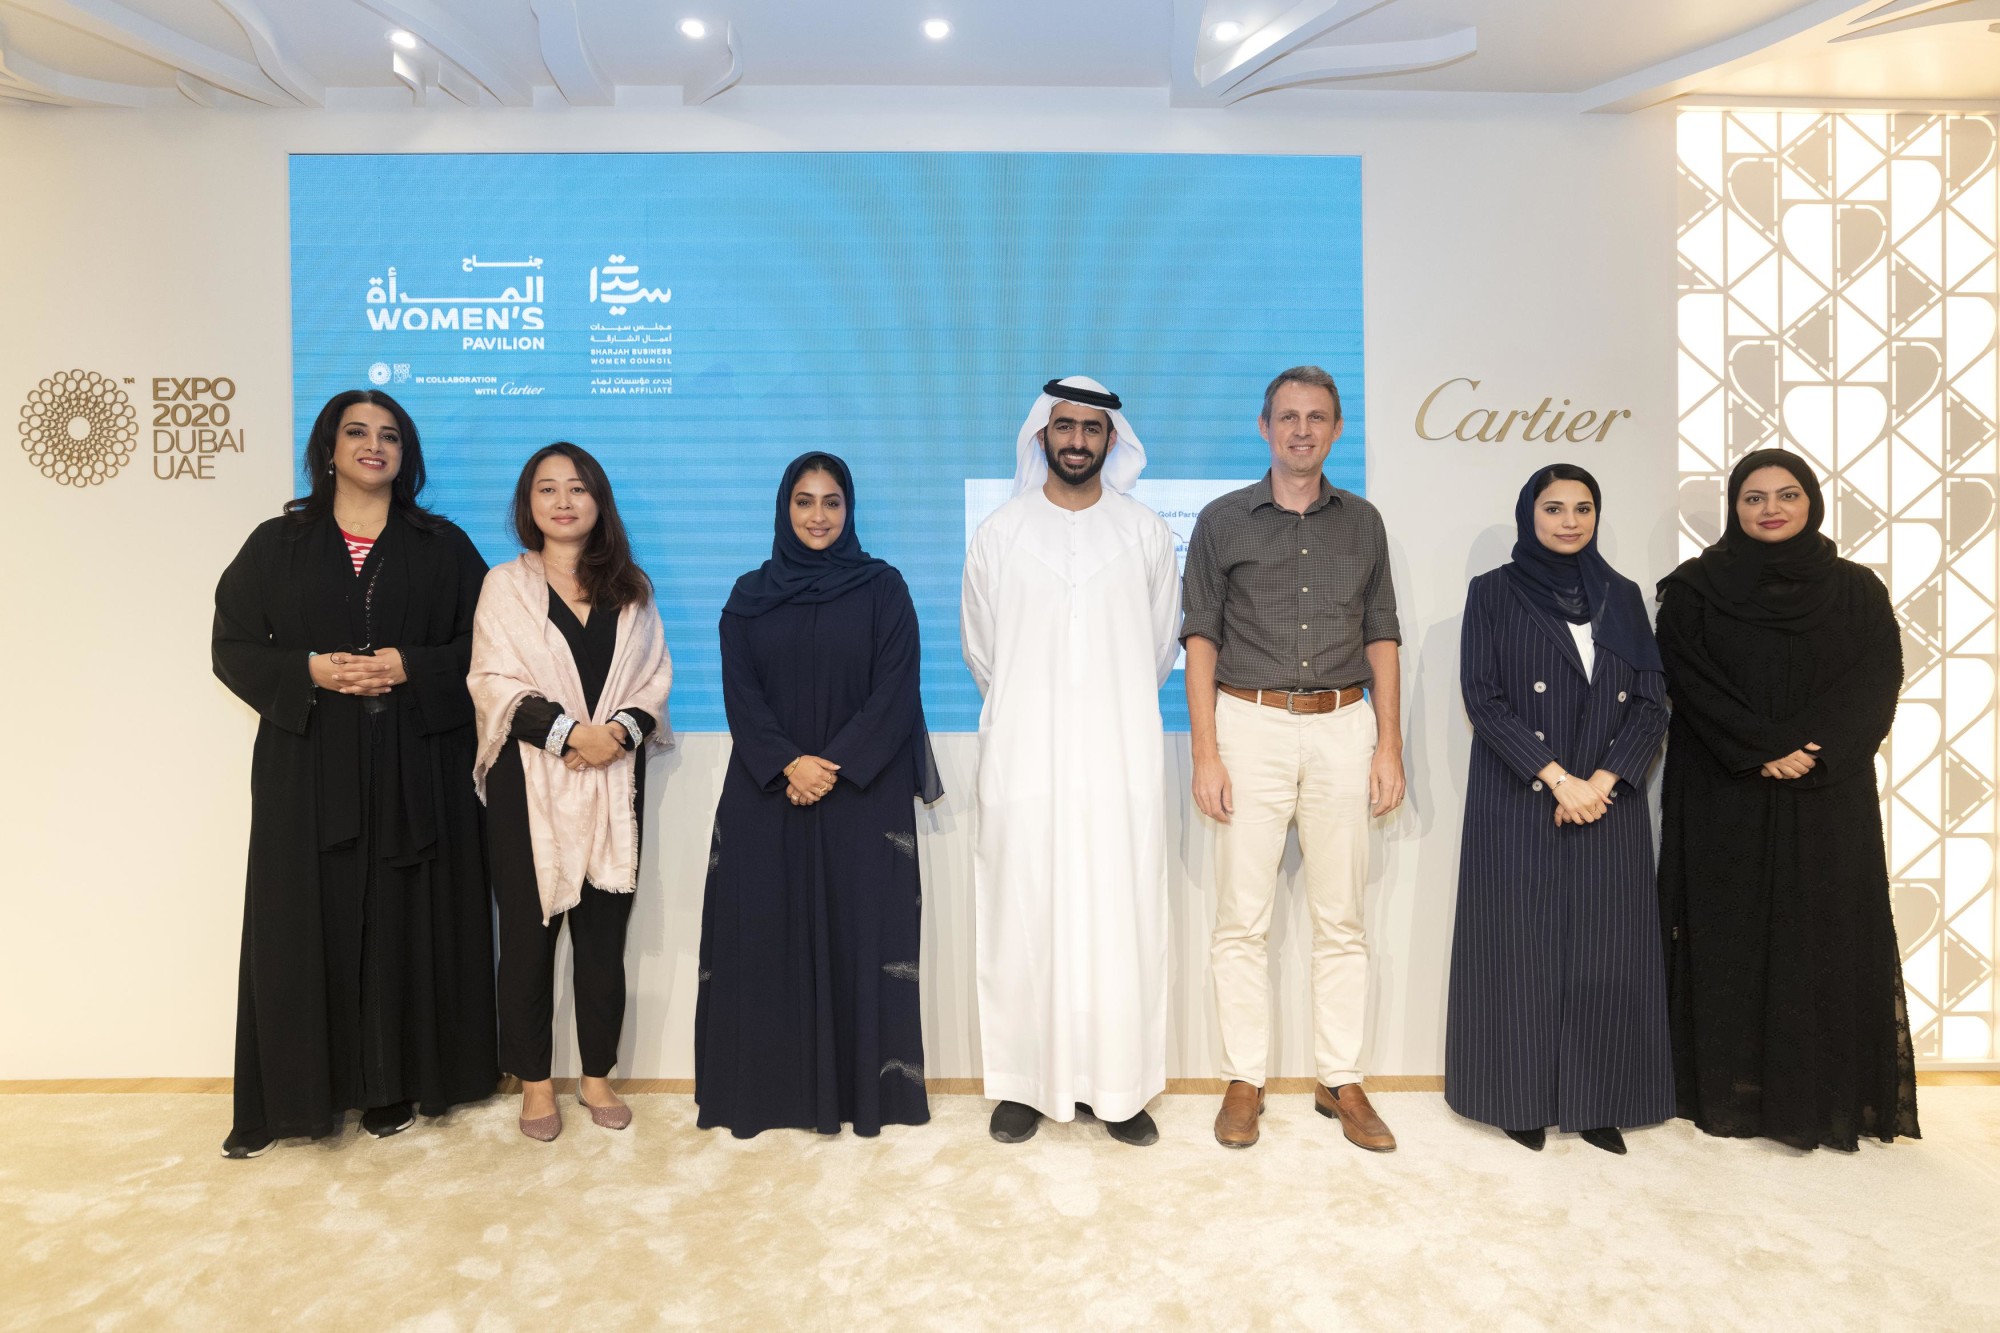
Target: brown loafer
1358, 1121
1236, 1122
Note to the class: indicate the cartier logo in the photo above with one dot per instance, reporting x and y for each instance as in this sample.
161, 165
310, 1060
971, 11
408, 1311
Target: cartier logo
1545, 423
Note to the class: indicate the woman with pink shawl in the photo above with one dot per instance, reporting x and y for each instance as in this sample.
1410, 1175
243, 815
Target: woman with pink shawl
570, 674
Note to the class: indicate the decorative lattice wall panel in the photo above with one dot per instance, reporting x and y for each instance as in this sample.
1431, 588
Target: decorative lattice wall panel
1838, 294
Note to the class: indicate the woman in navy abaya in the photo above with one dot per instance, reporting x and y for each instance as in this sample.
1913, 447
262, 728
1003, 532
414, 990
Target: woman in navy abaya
807, 1013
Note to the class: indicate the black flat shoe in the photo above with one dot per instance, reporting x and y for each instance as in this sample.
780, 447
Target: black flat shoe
1608, 1139
241, 1146
1532, 1139
382, 1121
1139, 1131
1014, 1123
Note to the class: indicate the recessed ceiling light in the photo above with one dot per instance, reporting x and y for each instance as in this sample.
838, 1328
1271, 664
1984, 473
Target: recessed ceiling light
694, 28
1226, 32
406, 40
936, 29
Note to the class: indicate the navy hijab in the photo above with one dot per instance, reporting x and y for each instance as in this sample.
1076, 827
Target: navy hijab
1582, 588
797, 573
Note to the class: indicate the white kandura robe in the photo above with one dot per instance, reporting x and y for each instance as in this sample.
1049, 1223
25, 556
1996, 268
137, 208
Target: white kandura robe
1070, 625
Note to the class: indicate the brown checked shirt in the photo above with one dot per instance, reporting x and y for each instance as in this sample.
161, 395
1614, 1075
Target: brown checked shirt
1289, 600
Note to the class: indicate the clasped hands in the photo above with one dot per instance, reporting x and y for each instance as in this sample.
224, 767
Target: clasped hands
593, 745
1580, 801
358, 673
809, 778
1794, 765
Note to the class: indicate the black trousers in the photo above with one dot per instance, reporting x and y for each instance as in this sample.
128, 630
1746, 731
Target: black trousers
528, 948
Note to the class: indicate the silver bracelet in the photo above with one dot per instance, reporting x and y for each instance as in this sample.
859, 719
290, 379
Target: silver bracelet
559, 731
1559, 782
631, 725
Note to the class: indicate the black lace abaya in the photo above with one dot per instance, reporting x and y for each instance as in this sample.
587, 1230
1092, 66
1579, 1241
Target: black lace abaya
1784, 981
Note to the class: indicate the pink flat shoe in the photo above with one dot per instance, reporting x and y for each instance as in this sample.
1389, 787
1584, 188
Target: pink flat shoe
606, 1117
543, 1128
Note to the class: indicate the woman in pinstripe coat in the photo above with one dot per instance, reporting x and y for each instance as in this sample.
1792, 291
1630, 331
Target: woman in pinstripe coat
1558, 1007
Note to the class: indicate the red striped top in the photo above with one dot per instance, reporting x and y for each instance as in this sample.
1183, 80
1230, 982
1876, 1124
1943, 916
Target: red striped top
357, 548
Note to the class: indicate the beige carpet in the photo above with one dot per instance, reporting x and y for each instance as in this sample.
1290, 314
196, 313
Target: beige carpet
116, 1212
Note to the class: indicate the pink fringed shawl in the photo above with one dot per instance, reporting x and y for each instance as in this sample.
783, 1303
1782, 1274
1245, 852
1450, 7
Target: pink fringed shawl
583, 824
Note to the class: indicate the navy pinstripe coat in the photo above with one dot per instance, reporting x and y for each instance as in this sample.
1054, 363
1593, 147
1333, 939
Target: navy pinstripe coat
1558, 1010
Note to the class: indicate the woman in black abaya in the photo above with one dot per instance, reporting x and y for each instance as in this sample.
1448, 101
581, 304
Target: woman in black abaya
1785, 986
807, 1014
367, 967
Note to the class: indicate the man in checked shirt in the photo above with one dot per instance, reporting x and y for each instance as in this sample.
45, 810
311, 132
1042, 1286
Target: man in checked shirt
1289, 621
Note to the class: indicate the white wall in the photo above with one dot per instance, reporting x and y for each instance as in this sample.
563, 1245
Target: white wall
1512, 241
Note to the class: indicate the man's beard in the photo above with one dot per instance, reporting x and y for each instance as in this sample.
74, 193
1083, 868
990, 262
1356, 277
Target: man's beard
1063, 474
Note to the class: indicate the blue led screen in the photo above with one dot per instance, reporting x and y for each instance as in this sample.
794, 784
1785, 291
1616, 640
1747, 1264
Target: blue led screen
697, 320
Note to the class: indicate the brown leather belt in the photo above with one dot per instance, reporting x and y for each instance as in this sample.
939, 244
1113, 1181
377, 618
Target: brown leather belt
1297, 701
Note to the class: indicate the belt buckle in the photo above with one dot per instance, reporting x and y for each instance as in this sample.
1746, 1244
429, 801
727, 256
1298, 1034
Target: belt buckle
1291, 696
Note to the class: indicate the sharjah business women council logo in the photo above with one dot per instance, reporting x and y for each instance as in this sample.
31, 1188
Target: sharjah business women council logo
79, 428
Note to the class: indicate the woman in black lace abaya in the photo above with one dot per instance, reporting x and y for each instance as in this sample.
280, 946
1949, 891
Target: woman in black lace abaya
1784, 981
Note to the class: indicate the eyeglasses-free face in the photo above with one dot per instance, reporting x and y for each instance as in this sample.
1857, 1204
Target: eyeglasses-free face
1565, 517
819, 509
367, 447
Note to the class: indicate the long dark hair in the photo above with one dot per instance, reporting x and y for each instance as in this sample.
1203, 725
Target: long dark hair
606, 572
403, 491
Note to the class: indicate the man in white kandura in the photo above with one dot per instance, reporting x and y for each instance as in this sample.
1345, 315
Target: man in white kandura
1070, 625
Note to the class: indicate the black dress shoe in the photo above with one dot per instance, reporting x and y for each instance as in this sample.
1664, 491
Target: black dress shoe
1014, 1123
241, 1145
1528, 1138
1139, 1131
1608, 1139
382, 1121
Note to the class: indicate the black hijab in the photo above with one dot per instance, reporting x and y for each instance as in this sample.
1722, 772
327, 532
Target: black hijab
1581, 588
797, 573
1787, 585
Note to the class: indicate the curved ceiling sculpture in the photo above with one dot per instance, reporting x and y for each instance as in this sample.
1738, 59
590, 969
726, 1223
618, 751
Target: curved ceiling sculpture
552, 54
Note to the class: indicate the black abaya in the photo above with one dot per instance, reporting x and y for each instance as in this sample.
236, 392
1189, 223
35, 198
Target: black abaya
807, 1012
1785, 984
367, 964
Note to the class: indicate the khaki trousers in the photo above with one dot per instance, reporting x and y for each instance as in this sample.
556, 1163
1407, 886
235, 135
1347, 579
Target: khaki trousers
1312, 769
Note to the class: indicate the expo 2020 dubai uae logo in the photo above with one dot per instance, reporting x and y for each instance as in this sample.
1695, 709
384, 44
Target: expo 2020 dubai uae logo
79, 428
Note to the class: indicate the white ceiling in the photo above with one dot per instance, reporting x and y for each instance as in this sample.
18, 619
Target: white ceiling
1604, 56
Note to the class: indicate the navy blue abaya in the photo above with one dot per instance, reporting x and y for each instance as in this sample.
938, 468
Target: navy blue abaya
1557, 1014
807, 1013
